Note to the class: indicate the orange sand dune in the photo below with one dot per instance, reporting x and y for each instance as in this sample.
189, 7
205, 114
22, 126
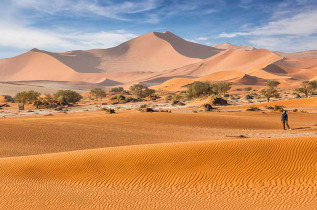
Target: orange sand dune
237, 60
236, 77
304, 54
233, 174
152, 52
267, 75
174, 84
299, 63
35, 65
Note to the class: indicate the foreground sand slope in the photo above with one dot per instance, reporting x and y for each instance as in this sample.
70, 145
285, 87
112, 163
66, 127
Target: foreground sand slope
90, 130
235, 174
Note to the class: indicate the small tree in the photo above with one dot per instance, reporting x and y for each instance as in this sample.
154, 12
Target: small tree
141, 91
308, 87
117, 89
271, 90
30, 96
68, 96
221, 88
98, 92
198, 89
272, 84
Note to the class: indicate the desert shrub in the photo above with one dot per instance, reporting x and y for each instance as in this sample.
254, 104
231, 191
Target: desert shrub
201, 89
30, 96
248, 97
118, 97
269, 107
6, 98
141, 91
169, 97
179, 103
67, 96
295, 110
253, 109
308, 87
238, 89
219, 101
278, 108
271, 90
221, 88
154, 97
98, 93
110, 111
247, 88
117, 89
144, 108
198, 89
207, 107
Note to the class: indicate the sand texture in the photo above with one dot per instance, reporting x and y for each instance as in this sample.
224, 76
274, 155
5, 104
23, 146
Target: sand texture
235, 174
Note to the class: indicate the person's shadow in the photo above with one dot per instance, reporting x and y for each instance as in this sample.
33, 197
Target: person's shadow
300, 128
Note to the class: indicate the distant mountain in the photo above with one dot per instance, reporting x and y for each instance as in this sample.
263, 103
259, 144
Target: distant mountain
226, 46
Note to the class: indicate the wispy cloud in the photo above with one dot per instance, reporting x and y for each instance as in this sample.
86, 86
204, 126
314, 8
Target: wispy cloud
288, 34
185, 7
22, 37
301, 24
108, 9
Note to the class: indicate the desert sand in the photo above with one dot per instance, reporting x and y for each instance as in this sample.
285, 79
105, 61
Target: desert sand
171, 161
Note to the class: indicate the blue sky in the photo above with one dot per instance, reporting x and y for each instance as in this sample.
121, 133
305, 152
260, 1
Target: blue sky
61, 25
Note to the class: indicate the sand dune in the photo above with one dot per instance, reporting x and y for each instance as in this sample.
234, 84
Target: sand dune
229, 60
226, 46
152, 52
35, 65
305, 54
236, 77
235, 174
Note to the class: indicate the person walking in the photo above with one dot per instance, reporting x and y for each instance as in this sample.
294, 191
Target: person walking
285, 120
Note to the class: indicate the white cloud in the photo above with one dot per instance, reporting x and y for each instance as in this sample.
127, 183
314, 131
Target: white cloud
109, 9
23, 37
294, 33
286, 44
302, 24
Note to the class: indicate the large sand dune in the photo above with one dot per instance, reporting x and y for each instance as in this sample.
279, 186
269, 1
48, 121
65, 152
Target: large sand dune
235, 174
152, 52
232, 59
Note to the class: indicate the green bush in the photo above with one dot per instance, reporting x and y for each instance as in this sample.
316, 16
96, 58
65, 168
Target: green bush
278, 108
30, 96
141, 91
117, 89
68, 96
